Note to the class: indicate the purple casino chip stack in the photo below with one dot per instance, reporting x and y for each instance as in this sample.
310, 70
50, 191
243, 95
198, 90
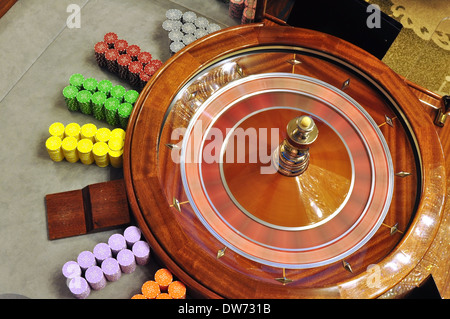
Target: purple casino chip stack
86, 259
132, 234
95, 278
126, 261
123, 61
70, 270
141, 251
116, 242
79, 288
111, 269
100, 49
111, 57
101, 252
121, 46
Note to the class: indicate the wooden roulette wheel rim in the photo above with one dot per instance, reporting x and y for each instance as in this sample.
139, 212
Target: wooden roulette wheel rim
189, 250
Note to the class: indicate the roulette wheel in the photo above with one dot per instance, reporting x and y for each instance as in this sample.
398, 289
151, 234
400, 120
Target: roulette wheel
278, 162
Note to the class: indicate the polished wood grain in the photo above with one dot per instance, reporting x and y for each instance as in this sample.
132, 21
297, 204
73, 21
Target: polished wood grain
189, 250
96, 207
5, 5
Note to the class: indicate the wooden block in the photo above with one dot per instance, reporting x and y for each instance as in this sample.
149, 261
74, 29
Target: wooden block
96, 207
65, 214
109, 205
5, 5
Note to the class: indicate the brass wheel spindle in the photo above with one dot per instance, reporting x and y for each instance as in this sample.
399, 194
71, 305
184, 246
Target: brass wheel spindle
291, 158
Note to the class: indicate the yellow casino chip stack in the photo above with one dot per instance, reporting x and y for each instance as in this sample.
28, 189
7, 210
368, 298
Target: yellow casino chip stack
53, 145
84, 148
73, 130
118, 132
88, 131
103, 134
69, 148
115, 143
57, 129
100, 152
116, 158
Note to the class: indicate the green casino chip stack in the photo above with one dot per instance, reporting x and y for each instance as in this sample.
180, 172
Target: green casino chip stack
124, 113
118, 91
84, 101
131, 96
90, 84
98, 104
70, 95
77, 80
105, 86
111, 107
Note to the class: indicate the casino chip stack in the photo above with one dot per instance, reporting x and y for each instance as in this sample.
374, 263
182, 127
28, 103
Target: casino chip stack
100, 49
111, 60
89, 96
84, 101
105, 87
121, 254
134, 70
110, 38
236, 8
53, 145
185, 28
162, 286
124, 113
76, 80
124, 59
86, 144
111, 107
70, 96
98, 102
123, 62
244, 10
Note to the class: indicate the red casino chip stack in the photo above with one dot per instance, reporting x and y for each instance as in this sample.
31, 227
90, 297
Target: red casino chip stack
152, 67
111, 57
133, 51
123, 61
134, 69
248, 16
100, 50
110, 38
144, 57
121, 46
250, 4
235, 9
143, 79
